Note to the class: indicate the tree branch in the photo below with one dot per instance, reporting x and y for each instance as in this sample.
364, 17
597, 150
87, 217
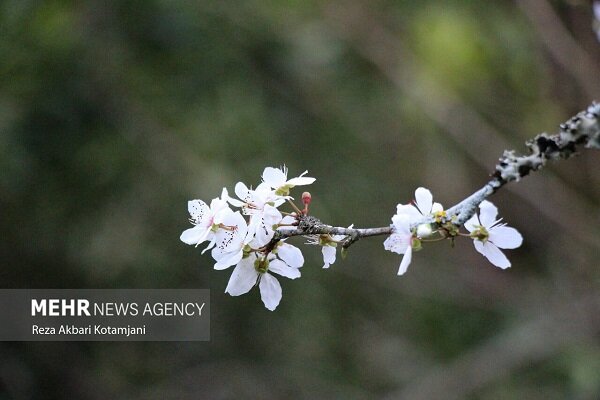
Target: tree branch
580, 130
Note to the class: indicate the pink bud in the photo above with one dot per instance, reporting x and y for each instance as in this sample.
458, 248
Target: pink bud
306, 198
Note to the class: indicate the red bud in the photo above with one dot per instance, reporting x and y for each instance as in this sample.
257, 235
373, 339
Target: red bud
306, 198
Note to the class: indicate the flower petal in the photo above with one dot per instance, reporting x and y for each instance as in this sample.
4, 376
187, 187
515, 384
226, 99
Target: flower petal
492, 253
225, 260
242, 191
437, 207
301, 181
232, 237
195, 235
274, 177
505, 237
281, 268
472, 223
242, 279
424, 200
210, 245
401, 223
328, 255
270, 291
406, 259
198, 210
410, 211
291, 255
397, 243
264, 224
488, 213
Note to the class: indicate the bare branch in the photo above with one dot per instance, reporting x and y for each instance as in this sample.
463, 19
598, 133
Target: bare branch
581, 130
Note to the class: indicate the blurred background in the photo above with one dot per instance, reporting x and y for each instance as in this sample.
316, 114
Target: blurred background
114, 114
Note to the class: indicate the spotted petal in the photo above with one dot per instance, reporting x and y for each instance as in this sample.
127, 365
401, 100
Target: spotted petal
198, 210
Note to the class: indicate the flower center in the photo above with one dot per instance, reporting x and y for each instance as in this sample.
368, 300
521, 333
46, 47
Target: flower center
439, 216
480, 234
261, 265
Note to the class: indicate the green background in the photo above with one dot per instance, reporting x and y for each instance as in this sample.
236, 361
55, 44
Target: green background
114, 114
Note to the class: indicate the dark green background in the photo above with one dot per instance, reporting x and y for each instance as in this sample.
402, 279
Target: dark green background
114, 114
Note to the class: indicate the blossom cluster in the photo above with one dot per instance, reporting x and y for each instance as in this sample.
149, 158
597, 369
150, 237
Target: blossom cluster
242, 237
241, 232
489, 234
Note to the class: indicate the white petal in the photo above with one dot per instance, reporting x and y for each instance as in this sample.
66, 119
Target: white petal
281, 268
264, 233
270, 291
472, 223
264, 189
242, 279
291, 255
488, 213
397, 243
437, 207
232, 201
212, 244
492, 253
401, 224
505, 237
409, 210
271, 215
274, 177
424, 200
198, 210
230, 240
406, 259
328, 255
219, 213
226, 260
288, 219
217, 205
252, 226
241, 191
195, 235
301, 181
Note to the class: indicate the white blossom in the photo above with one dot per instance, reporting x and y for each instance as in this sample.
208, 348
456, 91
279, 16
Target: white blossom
261, 205
328, 245
229, 240
401, 240
205, 220
422, 206
256, 269
277, 179
489, 235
